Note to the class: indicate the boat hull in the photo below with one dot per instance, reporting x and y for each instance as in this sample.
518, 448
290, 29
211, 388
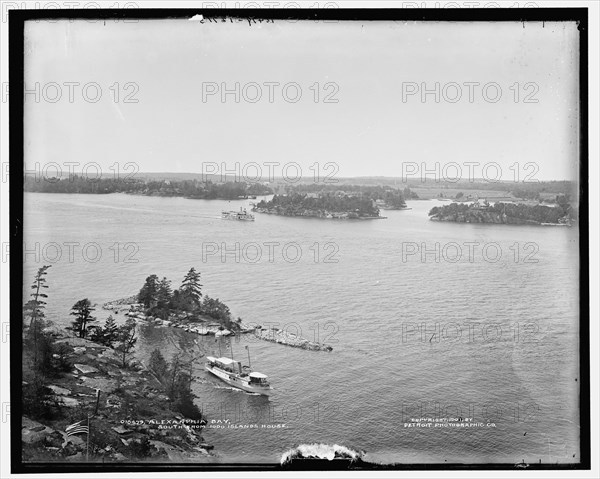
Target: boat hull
238, 383
237, 216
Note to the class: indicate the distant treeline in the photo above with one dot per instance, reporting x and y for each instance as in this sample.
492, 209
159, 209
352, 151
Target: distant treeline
375, 192
555, 186
524, 190
195, 189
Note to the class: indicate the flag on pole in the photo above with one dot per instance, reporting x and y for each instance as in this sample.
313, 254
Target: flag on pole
77, 428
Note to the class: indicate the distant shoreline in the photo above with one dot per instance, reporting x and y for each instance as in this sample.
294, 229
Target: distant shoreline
504, 213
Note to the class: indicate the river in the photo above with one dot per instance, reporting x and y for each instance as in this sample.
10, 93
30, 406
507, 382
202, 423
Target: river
428, 320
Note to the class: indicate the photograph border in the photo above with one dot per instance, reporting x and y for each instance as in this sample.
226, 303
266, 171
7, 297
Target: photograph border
17, 19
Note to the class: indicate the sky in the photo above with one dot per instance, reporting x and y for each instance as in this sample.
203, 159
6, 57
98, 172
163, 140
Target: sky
380, 125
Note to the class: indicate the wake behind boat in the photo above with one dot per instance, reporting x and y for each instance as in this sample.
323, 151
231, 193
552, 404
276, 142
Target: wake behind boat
231, 371
241, 215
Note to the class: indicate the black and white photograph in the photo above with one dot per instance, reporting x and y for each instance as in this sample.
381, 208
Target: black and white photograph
299, 237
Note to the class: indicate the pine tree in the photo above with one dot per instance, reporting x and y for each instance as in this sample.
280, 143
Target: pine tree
106, 335
148, 293
82, 310
190, 290
158, 365
163, 297
126, 341
110, 331
34, 308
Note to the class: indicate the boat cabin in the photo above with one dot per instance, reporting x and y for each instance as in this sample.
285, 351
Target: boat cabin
226, 364
258, 379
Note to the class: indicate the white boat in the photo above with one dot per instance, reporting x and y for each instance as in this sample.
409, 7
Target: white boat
241, 215
231, 372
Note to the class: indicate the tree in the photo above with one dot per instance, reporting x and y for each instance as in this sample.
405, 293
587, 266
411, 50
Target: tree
148, 293
179, 378
43, 357
158, 365
141, 447
110, 332
217, 310
34, 308
82, 310
190, 291
107, 335
38, 400
163, 298
563, 201
126, 341
459, 195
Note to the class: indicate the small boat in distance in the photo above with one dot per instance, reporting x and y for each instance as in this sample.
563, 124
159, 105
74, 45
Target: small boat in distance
241, 215
231, 371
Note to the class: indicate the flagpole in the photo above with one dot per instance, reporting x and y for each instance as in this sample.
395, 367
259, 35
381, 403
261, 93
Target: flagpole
87, 449
97, 401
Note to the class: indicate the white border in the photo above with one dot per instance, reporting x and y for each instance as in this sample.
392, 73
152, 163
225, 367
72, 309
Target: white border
594, 174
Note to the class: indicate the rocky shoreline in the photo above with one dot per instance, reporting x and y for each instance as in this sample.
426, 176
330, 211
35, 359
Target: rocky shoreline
130, 415
131, 308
